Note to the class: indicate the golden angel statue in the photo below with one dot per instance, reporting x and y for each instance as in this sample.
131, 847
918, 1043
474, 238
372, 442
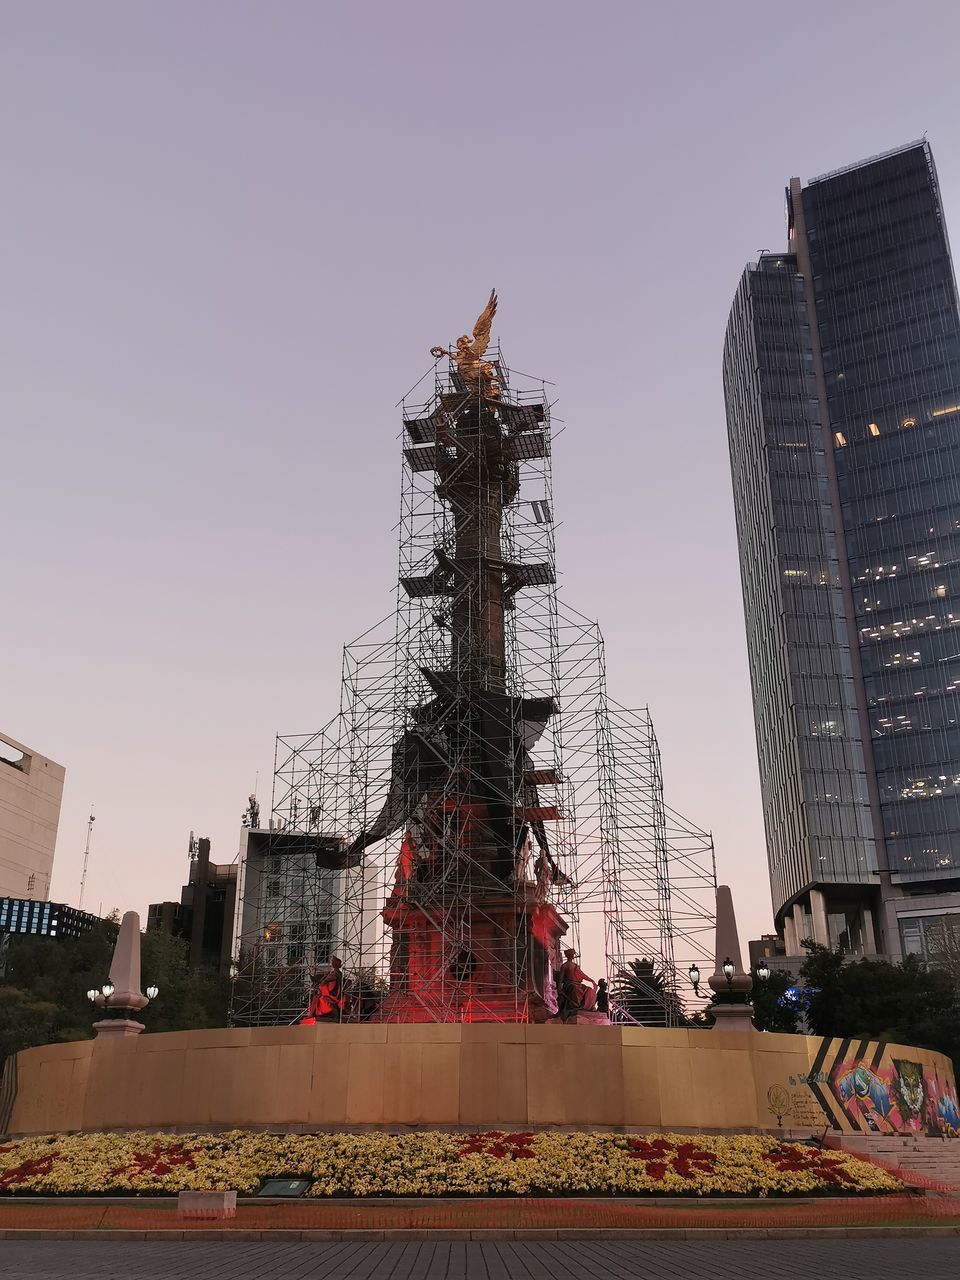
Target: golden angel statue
468, 354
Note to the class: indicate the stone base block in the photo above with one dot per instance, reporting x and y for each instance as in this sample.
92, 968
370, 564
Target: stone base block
207, 1204
588, 1018
118, 1027
733, 1017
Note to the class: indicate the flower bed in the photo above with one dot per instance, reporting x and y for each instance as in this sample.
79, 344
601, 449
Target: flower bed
431, 1163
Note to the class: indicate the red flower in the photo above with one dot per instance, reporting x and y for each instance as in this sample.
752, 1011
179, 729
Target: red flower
157, 1162
515, 1146
686, 1159
641, 1149
788, 1159
27, 1169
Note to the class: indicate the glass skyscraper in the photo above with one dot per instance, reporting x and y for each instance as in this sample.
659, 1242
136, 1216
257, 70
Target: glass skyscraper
842, 385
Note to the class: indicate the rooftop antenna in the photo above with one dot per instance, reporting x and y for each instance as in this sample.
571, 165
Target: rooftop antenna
86, 858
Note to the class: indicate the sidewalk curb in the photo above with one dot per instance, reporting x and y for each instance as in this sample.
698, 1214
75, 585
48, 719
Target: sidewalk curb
556, 1233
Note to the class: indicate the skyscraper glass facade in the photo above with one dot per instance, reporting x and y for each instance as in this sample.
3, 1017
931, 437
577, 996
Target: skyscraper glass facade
813, 777
842, 386
889, 331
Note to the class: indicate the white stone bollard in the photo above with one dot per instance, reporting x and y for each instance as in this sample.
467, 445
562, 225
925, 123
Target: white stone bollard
207, 1204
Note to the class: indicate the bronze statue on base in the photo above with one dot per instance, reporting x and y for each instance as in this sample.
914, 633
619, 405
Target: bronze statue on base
328, 1001
574, 995
479, 374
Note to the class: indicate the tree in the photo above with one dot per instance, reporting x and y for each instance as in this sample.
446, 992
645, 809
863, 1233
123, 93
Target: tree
943, 944
189, 997
772, 1011
45, 1000
641, 991
912, 1003
59, 972
24, 1021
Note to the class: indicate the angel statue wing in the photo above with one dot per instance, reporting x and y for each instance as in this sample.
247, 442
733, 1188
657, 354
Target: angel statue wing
481, 330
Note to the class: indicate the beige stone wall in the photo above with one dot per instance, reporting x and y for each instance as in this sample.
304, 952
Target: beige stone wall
472, 1075
30, 794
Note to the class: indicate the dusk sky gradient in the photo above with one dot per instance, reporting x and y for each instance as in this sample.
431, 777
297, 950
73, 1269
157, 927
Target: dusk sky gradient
232, 231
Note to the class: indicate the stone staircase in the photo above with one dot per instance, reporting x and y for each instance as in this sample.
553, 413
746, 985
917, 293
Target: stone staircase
918, 1159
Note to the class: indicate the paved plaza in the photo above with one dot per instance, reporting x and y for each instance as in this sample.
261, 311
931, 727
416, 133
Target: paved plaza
870, 1259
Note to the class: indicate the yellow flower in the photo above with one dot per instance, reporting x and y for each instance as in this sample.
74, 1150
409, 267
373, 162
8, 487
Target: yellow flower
431, 1163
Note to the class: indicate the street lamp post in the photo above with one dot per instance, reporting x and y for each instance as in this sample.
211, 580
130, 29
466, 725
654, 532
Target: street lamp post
103, 997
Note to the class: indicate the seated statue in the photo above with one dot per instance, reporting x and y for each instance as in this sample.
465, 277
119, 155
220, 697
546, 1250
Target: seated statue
328, 1001
576, 993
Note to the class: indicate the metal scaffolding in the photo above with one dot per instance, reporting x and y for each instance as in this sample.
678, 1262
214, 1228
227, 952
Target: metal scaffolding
478, 804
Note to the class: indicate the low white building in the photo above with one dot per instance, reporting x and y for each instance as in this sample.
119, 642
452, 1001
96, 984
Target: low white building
31, 788
297, 906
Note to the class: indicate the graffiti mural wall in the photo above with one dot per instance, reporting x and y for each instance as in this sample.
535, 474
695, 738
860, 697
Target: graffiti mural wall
867, 1086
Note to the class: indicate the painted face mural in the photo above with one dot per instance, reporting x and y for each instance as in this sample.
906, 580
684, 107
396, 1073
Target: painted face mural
908, 1088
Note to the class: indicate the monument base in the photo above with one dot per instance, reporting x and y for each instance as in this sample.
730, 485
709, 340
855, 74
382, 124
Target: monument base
587, 1018
506, 974
118, 1027
733, 1017
510, 1076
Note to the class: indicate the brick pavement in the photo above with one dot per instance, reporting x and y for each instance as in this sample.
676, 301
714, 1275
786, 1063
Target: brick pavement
429, 1260
522, 1213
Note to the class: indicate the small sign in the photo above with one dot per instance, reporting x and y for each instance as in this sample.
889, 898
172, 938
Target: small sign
285, 1188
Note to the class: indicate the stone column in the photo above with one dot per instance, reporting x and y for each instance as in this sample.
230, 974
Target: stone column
818, 913
893, 948
127, 998
732, 1012
800, 926
791, 942
869, 936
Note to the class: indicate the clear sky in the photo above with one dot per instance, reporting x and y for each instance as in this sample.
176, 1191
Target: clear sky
231, 231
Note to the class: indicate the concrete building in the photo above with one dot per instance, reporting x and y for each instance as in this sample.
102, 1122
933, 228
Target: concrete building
204, 916
766, 948
31, 788
32, 917
842, 386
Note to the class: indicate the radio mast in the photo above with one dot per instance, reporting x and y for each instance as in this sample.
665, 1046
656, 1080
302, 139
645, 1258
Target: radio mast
86, 858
